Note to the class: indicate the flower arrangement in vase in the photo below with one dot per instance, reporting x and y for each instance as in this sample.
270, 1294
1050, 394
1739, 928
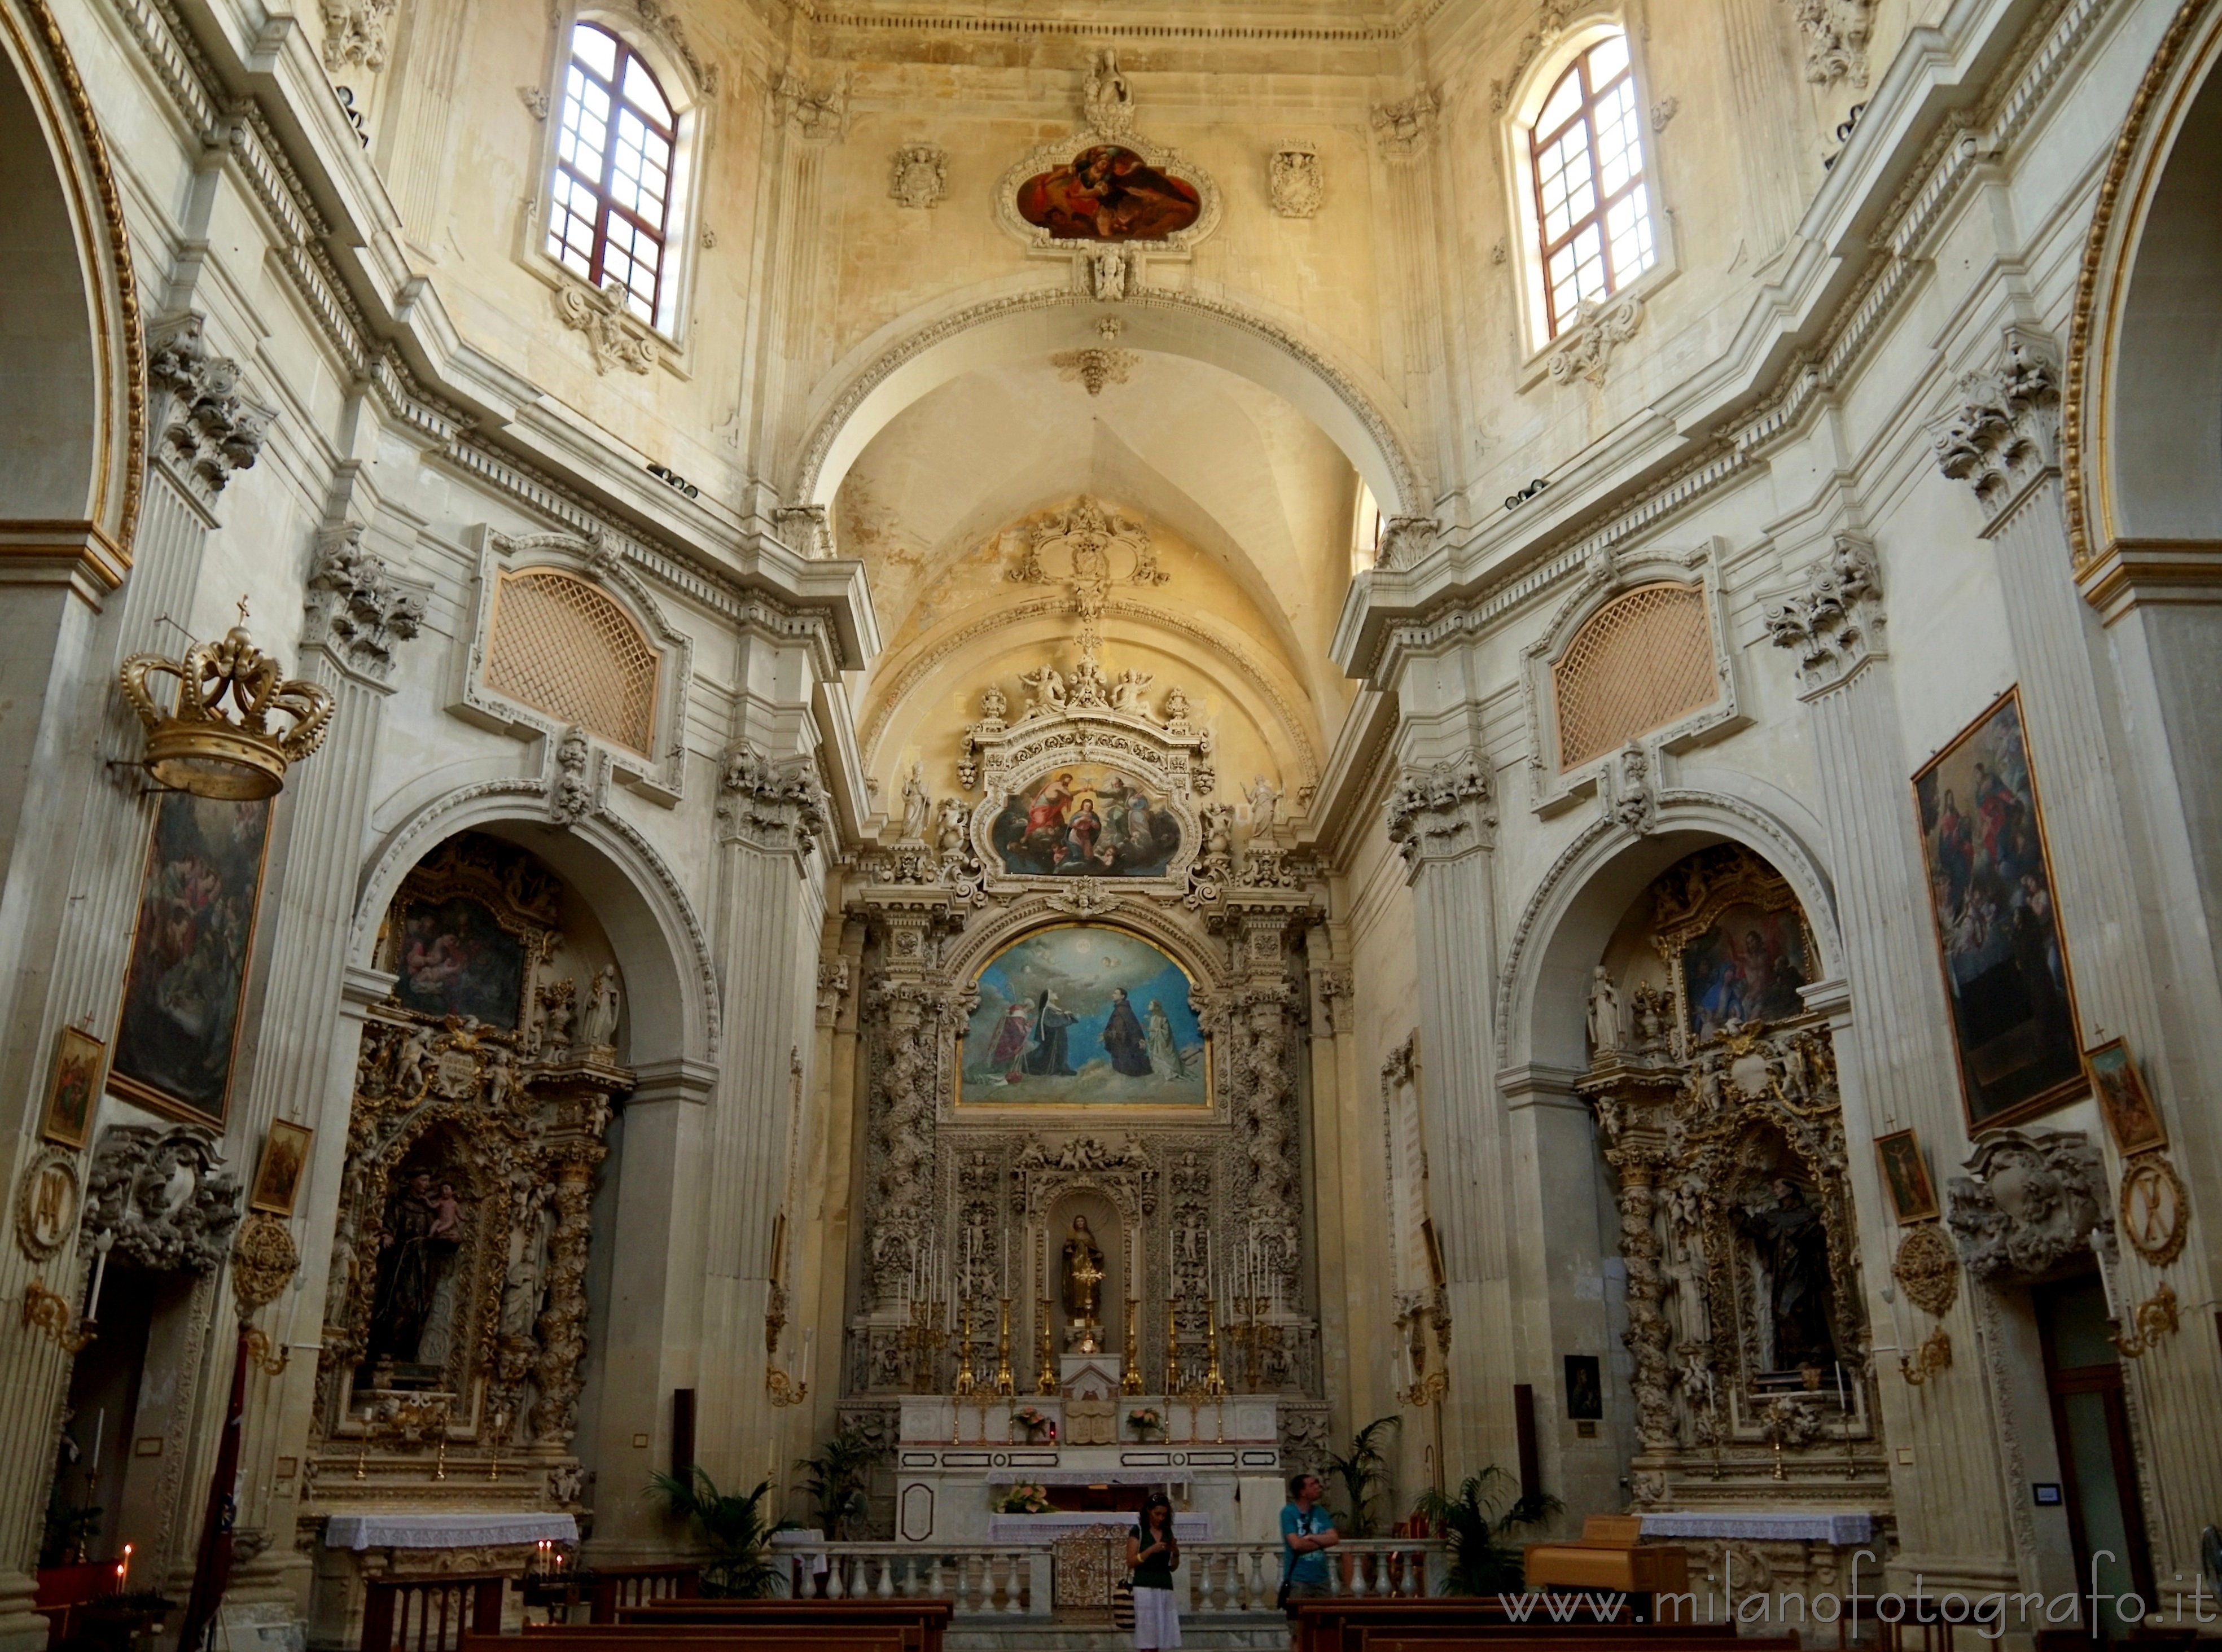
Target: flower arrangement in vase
1146, 1422
1025, 1499
1035, 1423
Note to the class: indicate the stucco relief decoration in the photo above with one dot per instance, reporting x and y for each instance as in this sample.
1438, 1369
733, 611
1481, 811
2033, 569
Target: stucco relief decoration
1405, 541
666, 24
2031, 1200
1108, 198
1402, 129
1727, 1135
620, 338
1293, 181
1098, 365
456, 1299
1441, 809
1586, 351
818, 115
358, 34
164, 1195
1550, 23
921, 176
1836, 34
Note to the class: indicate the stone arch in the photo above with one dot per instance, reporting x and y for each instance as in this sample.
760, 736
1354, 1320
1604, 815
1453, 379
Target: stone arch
2145, 345
671, 982
1543, 994
918, 353
73, 437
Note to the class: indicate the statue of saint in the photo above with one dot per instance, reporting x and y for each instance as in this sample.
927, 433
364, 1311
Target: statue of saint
1793, 1245
1604, 1012
1083, 1274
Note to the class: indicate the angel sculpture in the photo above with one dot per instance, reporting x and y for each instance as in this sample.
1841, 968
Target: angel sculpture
1045, 690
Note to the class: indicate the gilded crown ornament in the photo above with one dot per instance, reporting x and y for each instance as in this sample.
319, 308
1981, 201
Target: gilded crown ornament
202, 748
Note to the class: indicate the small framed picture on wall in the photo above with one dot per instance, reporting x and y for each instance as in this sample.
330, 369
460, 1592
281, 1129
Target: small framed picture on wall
2131, 1118
73, 1090
1905, 1177
284, 1165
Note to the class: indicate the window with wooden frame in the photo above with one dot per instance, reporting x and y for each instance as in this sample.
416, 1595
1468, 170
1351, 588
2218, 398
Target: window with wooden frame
610, 198
1592, 202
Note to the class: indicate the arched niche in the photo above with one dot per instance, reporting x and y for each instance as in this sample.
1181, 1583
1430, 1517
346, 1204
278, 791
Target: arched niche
1543, 997
657, 941
72, 425
918, 352
2143, 427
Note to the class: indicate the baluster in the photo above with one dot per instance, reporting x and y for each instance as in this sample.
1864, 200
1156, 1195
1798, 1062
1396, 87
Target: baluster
1415, 1567
1263, 1584
933, 1579
1366, 1576
962, 1563
837, 1585
1009, 1583
886, 1577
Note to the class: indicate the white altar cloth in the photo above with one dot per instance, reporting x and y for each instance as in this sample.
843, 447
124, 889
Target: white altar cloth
1048, 1527
411, 1530
1815, 1525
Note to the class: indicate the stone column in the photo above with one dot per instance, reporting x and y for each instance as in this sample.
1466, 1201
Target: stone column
770, 814
357, 617
827, 1217
2116, 925
1443, 816
1894, 1061
68, 903
1343, 1255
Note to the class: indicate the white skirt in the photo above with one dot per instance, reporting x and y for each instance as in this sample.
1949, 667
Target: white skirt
1157, 1619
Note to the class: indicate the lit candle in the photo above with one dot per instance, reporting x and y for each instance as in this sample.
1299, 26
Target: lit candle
1840, 1405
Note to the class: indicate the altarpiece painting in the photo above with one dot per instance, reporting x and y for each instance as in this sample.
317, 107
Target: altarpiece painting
186, 984
1086, 821
2011, 1000
1085, 1013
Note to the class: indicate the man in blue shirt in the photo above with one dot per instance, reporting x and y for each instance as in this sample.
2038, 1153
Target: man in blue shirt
1307, 1532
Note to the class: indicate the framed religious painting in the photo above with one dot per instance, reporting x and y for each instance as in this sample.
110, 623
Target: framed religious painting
1735, 943
2131, 1118
284, 1163
1087, 821
1905, 1177
184, 986
467, 931
74, 1088
1083, 1014
2010, 997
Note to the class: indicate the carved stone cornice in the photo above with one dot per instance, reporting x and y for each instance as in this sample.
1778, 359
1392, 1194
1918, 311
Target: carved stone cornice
210, 428
357, 613
2033, 1201
358, 34
165, 1195
1442, 811
1834, 627
803, 529
778, 807
2005, 435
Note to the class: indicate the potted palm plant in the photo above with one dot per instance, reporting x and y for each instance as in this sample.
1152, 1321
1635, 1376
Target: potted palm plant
736, 1529
1481, 1561
840, 1476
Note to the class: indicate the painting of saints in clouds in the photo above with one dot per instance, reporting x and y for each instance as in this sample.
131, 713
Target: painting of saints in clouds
1083, 1013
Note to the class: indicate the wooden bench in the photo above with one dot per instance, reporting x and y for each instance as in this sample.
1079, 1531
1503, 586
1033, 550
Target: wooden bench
1440, 1623
701, 1625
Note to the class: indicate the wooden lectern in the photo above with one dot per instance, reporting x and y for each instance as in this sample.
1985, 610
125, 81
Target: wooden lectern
1610, 1555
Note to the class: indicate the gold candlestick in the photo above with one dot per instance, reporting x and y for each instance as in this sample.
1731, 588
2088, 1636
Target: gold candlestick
1172, 1347
1045, 1380
1130, 1371
1214, 1385
1006, 1384
966, 1382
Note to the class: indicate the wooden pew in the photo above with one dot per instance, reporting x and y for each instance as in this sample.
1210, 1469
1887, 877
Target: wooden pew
700, 1625
1445, 1624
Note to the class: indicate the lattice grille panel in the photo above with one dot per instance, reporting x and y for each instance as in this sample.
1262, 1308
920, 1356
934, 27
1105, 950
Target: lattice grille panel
562, 647
1641, 661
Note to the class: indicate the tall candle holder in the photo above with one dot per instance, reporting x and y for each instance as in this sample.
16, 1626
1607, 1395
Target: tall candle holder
1006, 1385
1214, 1385
1172, 1347
1045, 1379
926, 1340
1130, 1367
966, 1382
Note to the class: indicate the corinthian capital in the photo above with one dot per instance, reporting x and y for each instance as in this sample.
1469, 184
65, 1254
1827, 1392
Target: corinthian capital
1835, 625
770, 805
357, 613
2005, 431
210, 427
1442, 810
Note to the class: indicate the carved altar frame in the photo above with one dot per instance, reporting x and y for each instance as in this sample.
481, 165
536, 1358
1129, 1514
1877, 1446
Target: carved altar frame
1747, 881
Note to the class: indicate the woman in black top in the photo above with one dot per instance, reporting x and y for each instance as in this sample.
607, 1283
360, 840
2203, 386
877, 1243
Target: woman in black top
1153, 1552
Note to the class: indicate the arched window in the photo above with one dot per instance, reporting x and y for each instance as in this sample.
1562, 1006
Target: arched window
610, 199
1592, 204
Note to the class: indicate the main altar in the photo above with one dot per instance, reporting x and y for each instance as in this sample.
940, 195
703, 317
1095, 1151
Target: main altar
1083, 1264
